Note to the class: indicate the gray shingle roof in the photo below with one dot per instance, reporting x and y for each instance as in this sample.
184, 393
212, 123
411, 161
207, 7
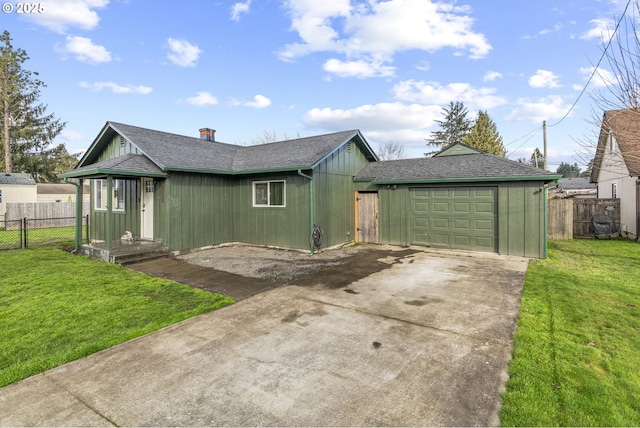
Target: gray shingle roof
16, 178
124, 165
625, 125
467, 167
172, 151
576, 183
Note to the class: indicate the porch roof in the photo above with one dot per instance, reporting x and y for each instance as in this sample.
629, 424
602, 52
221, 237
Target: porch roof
129, 165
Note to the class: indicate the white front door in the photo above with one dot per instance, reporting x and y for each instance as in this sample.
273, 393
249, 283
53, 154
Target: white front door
147, 208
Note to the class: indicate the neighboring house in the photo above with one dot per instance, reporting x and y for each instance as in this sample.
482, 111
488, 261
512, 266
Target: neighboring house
578, 187
54, 192
616, 167
194, 192
16, 187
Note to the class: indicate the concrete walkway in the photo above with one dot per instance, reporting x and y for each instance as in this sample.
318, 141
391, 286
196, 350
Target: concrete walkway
426, 342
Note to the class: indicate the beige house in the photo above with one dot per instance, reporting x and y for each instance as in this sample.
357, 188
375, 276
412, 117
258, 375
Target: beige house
16, 187
51, 192
616, 168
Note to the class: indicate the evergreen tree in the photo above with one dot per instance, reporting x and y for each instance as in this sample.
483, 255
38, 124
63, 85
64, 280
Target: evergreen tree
484, 136
45, 165
568, 170
454, 126
537, 159
25, 126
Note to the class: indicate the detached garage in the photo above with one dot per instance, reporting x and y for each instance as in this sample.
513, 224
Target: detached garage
460, 198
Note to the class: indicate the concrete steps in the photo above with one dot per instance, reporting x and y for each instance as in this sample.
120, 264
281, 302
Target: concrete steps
138, 257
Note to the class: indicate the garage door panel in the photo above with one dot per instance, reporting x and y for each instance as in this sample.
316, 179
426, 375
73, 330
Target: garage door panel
455, 217
461, 207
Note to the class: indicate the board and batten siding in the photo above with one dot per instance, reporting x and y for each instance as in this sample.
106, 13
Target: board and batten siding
286, 226
334, 194
123, 221
118, 146
193, 210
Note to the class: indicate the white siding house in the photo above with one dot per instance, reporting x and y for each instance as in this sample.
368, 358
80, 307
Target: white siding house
16, 187
616, 168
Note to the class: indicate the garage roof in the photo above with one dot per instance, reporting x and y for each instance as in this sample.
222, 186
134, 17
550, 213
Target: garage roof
456, 164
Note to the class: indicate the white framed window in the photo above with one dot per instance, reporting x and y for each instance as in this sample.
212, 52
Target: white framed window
269, 193
614, 190
1, 197
117, 197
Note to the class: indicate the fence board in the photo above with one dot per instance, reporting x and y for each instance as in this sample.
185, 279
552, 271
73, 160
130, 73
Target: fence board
18, 211
584, 209
560, 222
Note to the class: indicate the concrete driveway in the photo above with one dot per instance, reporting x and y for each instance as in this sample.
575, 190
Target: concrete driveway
425, 342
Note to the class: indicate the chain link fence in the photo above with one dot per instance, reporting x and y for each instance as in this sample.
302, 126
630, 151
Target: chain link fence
39, 233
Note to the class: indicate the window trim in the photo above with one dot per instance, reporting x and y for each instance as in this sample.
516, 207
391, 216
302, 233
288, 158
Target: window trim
268, 204
118, 185
1, 196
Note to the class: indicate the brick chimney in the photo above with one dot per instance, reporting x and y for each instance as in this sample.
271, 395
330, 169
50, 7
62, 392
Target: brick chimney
207, 134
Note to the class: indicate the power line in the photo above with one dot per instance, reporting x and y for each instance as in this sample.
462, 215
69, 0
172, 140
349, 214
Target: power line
595, 69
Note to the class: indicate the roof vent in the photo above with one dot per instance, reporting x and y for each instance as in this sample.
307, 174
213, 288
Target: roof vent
207, 134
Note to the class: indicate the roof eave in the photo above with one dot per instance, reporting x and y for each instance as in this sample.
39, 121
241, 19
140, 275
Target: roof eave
545, 178
239, 172
102, 172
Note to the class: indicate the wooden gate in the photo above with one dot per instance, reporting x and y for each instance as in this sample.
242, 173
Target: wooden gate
367, 217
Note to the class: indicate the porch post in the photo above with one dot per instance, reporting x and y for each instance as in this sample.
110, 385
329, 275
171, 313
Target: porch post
78, 215
109, 220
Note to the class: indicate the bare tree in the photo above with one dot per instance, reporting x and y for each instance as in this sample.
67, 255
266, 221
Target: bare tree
266, 137
622, 87
390, 150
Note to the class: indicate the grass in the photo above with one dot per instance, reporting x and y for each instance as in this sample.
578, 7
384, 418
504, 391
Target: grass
577, 346
56, 307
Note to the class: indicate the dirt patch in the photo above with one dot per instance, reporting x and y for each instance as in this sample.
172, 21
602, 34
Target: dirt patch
242, 271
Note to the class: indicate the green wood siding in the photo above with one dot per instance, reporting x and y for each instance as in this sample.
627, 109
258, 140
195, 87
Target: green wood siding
286, 226
193, 210
334, 194
129, 220
522, 226
118, 146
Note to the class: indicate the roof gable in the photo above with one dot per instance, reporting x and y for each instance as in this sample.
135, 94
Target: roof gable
624, 125
457, 149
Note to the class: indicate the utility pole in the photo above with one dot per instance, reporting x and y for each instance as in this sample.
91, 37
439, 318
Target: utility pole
544, 143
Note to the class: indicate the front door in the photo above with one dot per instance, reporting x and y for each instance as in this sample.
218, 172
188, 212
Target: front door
147, 208
367, 217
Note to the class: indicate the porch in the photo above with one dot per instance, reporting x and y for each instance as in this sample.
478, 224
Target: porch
124, 251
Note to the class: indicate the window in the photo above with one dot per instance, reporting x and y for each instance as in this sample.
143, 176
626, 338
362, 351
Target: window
117, 198
614, 190
269, 194
1, 198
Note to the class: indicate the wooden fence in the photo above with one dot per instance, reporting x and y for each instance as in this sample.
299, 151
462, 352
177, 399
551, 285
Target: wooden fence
18, 211
570, 218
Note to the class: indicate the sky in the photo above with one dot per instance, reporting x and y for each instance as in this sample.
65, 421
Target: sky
298, 68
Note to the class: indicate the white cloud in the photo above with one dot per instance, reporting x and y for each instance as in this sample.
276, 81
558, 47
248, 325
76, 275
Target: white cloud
527, 110
238, 9
117, 88
69, 135
259, 101
60, 15
373, 32
491, 76
544, 79
360, 69
203, 99
601, 79
182, 52
434, 93
602, 30
84, 50
405, 123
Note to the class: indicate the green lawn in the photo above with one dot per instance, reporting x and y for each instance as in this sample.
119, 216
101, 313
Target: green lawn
56, 307
577, 347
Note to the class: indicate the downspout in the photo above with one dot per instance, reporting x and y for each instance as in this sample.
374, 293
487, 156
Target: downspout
78, 234
311, 209
546, 221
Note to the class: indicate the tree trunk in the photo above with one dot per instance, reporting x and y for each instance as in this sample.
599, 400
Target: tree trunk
8, 161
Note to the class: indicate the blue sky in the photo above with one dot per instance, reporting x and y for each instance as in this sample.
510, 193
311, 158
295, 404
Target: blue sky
307, 67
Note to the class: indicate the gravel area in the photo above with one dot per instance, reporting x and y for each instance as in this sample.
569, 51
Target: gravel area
276, 265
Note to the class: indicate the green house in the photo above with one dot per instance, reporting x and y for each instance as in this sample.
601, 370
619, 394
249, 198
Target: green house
188, 193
